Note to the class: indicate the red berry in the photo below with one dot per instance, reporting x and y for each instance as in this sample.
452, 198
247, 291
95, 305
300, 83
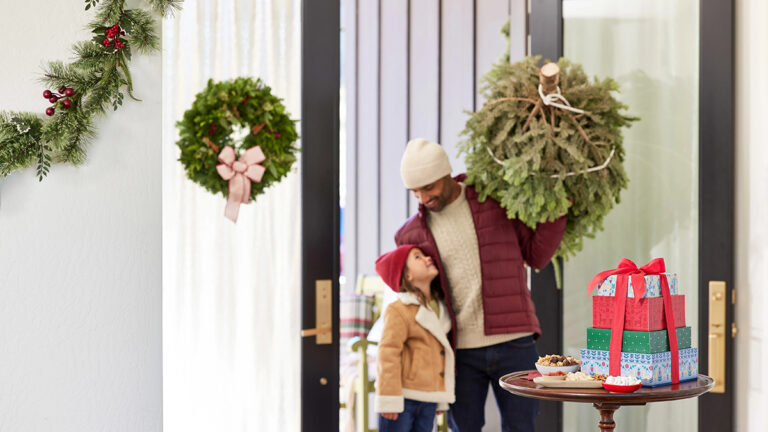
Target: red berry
47, 94
53, 99
69, 92
62, 89
50, 111
66, 103
106, 42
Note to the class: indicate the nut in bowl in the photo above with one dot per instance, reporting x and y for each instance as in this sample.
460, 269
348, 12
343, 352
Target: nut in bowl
621, 384
554, 364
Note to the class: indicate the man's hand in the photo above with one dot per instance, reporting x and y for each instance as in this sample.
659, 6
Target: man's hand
389, 416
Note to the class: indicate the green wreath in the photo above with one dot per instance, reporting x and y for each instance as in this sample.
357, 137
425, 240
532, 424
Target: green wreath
535, 146
219, 115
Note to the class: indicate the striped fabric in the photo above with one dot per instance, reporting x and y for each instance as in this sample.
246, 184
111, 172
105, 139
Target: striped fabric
356, 311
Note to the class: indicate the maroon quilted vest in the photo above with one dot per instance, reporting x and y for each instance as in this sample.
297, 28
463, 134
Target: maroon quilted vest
504, 245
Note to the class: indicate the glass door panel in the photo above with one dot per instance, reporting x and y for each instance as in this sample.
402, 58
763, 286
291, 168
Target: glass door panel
651, 47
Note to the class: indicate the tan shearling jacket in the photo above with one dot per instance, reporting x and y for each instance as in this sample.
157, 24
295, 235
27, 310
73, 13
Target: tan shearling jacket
415, 359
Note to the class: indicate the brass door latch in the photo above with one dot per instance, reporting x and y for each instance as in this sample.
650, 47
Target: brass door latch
323, 309
716, 349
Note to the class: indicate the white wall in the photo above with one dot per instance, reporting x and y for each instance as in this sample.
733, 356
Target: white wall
80, 253
751, 214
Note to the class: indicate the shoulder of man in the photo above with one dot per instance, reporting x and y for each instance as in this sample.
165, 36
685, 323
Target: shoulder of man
409, 231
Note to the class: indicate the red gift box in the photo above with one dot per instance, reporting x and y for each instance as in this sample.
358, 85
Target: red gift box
645, 314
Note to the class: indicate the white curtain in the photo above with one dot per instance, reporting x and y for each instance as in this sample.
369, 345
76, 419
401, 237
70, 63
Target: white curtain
231, 292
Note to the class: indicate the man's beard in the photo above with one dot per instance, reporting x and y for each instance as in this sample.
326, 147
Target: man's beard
443, 199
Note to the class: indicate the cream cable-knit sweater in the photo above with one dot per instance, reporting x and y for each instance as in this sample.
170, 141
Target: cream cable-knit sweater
454, 233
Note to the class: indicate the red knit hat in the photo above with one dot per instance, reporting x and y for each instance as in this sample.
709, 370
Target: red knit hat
390, 266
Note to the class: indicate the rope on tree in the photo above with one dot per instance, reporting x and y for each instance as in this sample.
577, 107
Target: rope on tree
545, 137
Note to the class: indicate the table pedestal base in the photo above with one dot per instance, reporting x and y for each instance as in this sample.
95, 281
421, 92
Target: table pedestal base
606, 423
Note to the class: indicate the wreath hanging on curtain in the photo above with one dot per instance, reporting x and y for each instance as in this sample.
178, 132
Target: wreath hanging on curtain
548, 142
237, 140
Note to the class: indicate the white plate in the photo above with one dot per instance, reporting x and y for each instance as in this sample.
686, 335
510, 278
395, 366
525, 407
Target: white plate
548, 381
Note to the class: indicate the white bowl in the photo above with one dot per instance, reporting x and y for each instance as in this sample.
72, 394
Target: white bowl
544, 370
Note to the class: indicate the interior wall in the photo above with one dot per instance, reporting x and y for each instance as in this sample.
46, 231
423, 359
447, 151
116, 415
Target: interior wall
80, 252
751, 214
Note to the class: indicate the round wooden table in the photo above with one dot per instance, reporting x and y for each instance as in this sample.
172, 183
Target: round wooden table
603, 400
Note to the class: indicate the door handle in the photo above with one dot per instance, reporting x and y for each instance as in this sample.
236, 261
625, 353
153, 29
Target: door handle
323, 309
716, 350
315, 331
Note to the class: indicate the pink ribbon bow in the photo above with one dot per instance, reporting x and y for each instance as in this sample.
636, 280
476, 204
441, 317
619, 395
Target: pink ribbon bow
240, 173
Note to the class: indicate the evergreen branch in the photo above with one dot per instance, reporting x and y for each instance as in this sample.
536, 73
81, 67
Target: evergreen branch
43, 160
77, 139
143, 35
90, 57
97, 74
110, 12
165, 7
19, 133
58, 74
532, 158
104, 90
128, 80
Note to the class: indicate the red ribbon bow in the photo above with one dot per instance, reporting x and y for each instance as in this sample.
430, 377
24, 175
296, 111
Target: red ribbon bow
624, 271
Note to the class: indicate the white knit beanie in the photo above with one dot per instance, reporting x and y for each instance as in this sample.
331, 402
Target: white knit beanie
423, 162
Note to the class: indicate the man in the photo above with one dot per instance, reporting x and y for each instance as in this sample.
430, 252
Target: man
480, 254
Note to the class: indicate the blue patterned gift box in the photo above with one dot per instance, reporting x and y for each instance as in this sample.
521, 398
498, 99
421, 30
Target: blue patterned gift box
652, 286
652, 369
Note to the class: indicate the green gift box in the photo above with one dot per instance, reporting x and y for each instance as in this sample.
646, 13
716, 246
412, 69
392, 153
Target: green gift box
638, 341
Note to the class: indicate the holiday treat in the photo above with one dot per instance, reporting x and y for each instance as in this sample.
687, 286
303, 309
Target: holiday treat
622, 380
582, 376
557, 360
555, 364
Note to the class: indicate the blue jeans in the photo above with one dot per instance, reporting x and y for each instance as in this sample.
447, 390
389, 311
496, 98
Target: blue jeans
416, 417
476, 368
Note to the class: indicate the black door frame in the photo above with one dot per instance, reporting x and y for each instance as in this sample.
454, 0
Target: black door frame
716, 197
716, 194
545, 24
320, 211
320, 65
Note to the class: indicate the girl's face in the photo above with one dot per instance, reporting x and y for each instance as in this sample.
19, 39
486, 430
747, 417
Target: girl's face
419, 268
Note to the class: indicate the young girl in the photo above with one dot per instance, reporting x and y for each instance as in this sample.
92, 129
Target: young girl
415, 361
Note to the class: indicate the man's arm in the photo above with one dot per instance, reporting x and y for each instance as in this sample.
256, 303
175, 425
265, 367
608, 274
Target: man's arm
539, 246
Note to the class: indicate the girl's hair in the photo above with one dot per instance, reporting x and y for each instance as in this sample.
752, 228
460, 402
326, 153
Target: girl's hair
405, 285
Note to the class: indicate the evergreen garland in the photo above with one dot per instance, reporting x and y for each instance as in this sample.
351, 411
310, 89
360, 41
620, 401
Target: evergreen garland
218, 114
89, 86
532, 158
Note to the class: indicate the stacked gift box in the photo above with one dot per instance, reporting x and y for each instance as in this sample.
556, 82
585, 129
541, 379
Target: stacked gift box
645, 350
